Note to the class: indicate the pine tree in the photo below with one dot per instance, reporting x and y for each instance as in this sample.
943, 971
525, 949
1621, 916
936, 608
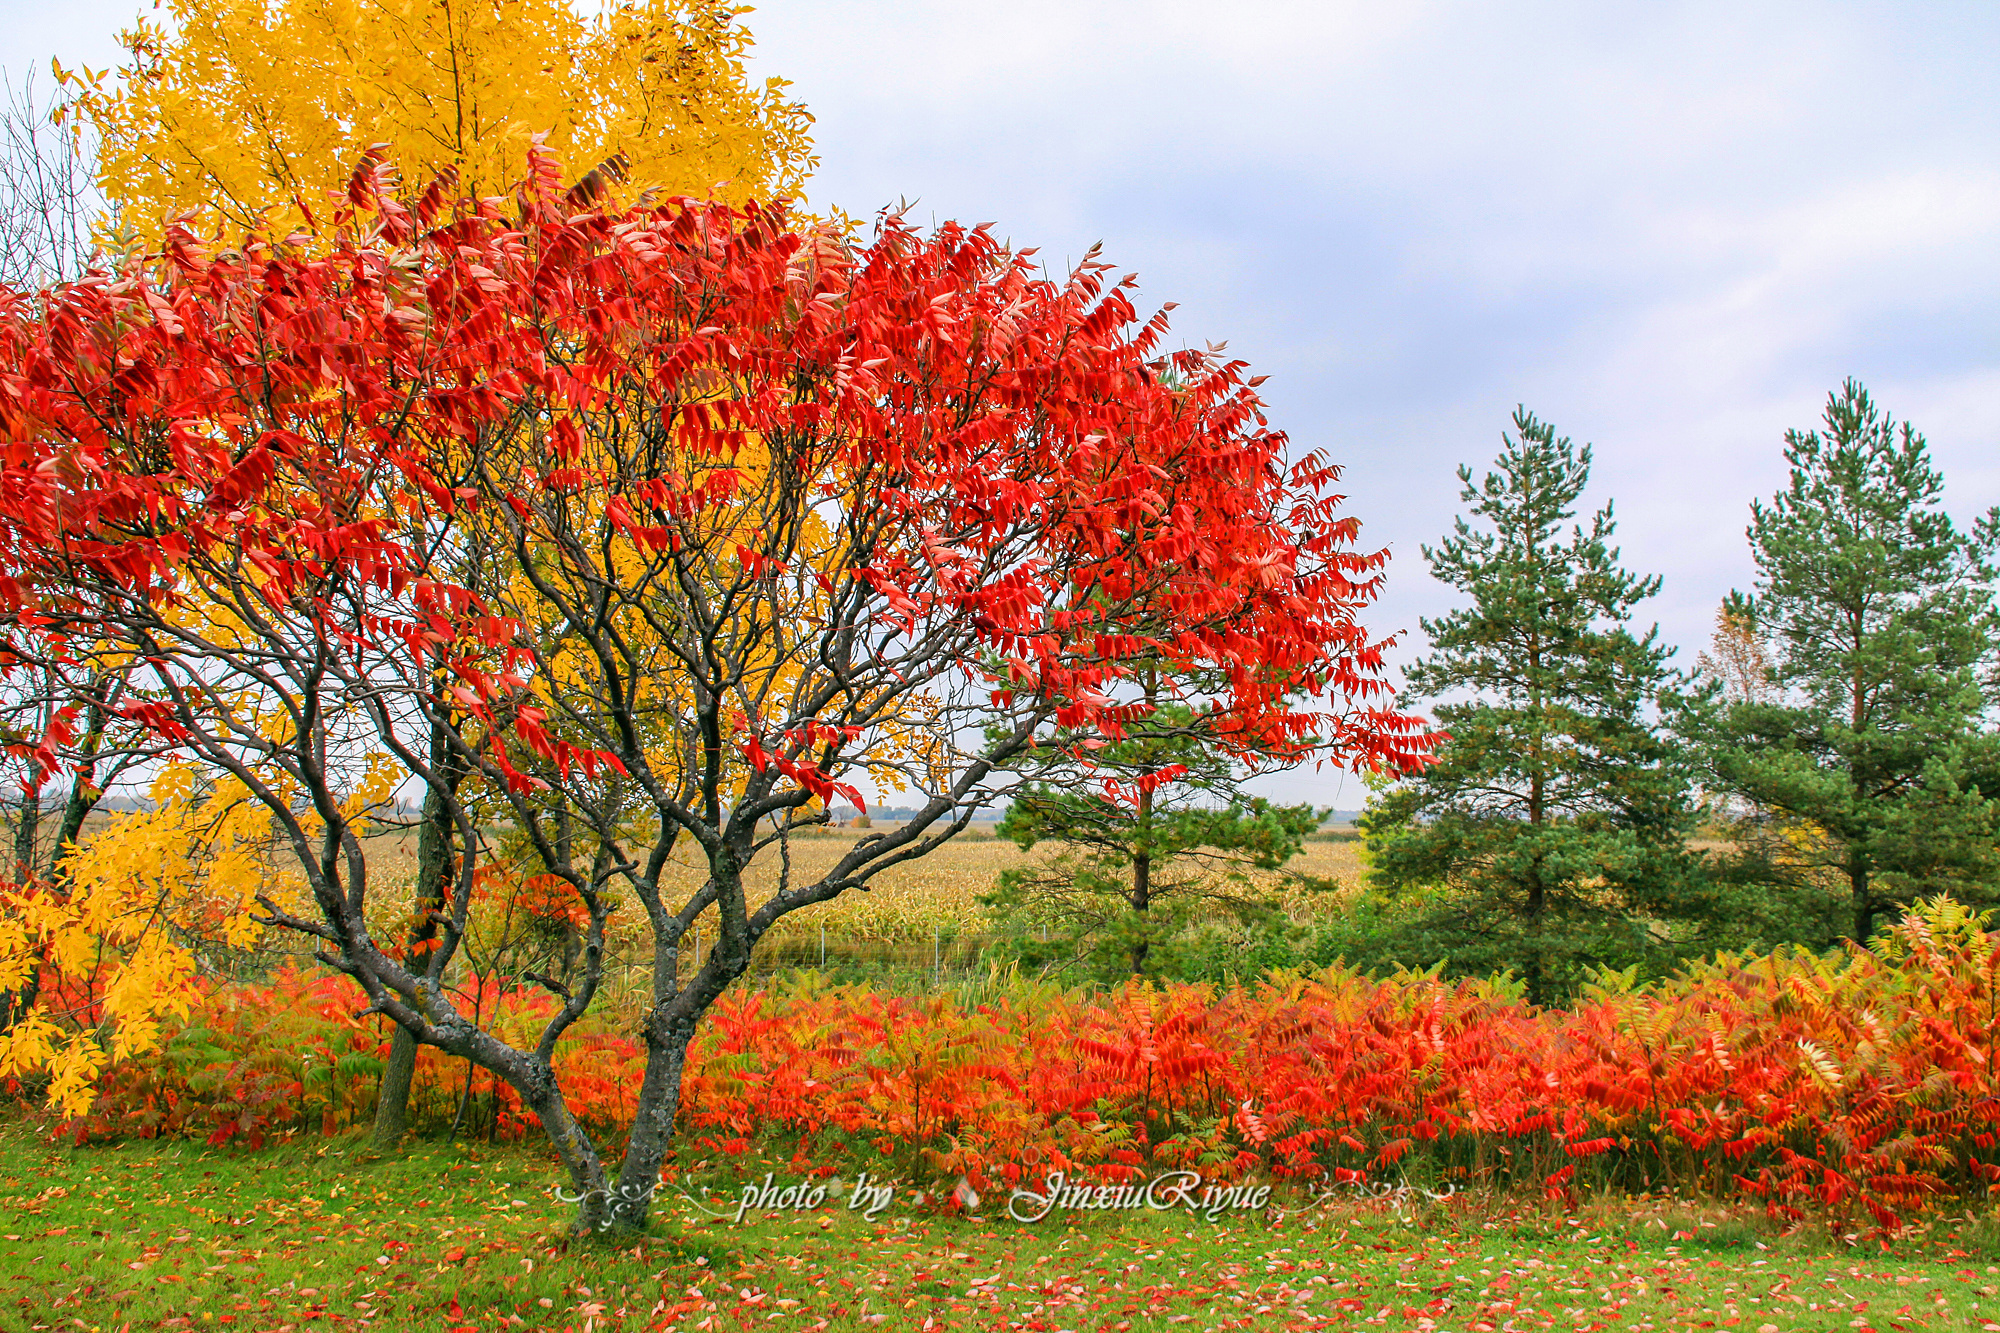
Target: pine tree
1154, 835
1551, 832
1871, 765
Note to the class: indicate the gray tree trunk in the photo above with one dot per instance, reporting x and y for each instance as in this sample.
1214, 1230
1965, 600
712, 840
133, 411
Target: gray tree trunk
669, 1030
653, 1126
392, 1103
27, 834
434, 870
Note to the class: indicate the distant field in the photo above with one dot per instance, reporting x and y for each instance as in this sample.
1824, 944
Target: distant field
935, 895
941, 891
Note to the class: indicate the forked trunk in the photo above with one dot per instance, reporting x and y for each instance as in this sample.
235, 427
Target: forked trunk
669, 1031
652, 1127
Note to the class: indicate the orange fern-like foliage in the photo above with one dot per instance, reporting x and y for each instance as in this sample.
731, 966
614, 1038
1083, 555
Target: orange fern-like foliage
1858, 1086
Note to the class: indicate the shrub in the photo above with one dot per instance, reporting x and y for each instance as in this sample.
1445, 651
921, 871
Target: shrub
1853, 1085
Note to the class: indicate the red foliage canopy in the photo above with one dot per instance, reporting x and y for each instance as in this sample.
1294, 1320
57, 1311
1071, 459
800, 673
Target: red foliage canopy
301, 410
682, 510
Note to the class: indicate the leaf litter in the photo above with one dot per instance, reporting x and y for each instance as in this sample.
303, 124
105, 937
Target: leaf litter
468, 1238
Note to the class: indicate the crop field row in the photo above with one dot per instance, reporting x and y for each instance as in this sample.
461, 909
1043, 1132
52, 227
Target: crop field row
941, 891
938, 894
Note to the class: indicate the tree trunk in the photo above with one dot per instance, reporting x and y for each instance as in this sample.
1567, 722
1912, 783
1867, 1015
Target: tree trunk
1538, 899
15, 1004
653, 1126
83, 798
1142, 847
27, 833
1537, 969
434, 870
594, 1211
84, 793
392, 1103
1863, 897
1857, 863
669, 1030
1142, 878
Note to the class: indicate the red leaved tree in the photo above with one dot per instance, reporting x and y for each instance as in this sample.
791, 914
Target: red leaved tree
642, 531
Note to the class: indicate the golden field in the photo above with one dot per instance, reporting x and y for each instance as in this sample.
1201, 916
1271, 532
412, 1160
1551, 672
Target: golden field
905, 906
941, 891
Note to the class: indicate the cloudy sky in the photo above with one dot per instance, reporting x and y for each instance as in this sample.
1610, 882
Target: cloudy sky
1668, 228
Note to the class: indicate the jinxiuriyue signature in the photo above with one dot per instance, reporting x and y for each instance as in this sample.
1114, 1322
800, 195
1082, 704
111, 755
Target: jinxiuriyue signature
1175, 1189
1059, 1193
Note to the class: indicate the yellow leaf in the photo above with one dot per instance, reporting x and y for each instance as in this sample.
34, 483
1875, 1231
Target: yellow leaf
260, 109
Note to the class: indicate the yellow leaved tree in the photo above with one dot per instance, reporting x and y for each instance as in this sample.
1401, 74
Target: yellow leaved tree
112, 943
259, 109
253, 115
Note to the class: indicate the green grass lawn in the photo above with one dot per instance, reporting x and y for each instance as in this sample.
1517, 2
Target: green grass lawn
325, 1236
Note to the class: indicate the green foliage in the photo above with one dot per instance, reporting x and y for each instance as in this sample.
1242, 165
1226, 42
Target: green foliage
1866, 770
1550, 835
1372, 933
1155, 839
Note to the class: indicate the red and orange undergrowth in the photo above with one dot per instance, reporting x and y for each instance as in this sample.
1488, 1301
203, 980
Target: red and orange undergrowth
1851, 1085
